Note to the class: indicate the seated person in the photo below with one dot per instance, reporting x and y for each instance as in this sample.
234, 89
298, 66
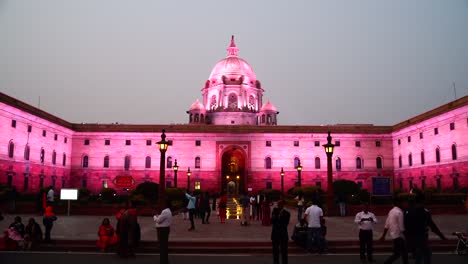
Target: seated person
300, 233
107, 236
18, 226
33, 234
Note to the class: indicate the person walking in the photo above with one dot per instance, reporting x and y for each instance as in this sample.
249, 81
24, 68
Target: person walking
394, 225
245, 202
365, 221
314, 217
222, 204
417, 221
48, 221
163, 225
205, 207
191, 208
300, 206
129, 232
252, 207
279, 233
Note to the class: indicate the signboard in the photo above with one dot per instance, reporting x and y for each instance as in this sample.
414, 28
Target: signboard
124, 181
69, 194
381, 186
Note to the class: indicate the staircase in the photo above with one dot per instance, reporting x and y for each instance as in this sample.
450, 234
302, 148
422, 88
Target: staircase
233, 209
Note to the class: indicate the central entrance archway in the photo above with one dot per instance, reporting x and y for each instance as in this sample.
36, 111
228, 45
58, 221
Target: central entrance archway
233, 171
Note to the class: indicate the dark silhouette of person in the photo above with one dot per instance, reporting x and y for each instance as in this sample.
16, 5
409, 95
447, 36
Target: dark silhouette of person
279, 233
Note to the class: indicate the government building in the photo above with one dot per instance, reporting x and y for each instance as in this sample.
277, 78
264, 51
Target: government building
233, 140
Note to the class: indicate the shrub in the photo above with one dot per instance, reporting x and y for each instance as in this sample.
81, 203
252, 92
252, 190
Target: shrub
271, 194
176, 196
149, 191
108, 194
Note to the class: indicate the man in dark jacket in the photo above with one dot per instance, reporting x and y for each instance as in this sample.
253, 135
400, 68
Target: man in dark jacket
279, 233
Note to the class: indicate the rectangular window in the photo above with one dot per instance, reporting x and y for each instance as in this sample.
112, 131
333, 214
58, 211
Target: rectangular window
197, 185
436, 131
86, 142
317, 143
378, 143
439, 184
41, 182
296, 143
84, 183
399, 142
358, 144
268, 143
26, 183
269, 186
65, 140
148, 142
318, 184
29, 128
128, 142
13, 123
421, 136
55, 137
452, 126
44, 133
168, 184
409, 138
197, 143
337, 143
107, 142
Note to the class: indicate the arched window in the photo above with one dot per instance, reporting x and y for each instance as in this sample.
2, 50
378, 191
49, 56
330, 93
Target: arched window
268, 119
197, 162
127, 163
268, 163
106, 162
454, 152
64, 159
400, 162
26, 152
232, 101
423, 160
358, 163
42, 157
263, 119
296, 162
85, 161
410, 159
202, 118
338, 164
54, 157
317, 162
378, 162
169, 162
196, 118
11, 149
190, 118
437, 155
251, 102
148, 162
213, 102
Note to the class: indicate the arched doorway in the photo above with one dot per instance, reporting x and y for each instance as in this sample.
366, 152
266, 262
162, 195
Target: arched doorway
233, 171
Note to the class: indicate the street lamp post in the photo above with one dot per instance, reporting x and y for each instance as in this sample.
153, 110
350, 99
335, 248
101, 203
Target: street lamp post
175, 168
163, 144
189, 173
282, 181
329, 147
299, 170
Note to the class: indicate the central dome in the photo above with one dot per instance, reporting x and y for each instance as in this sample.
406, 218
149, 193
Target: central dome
232, 66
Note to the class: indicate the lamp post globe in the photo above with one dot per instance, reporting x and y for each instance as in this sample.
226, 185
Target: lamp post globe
329, 148
176, 169
163, 145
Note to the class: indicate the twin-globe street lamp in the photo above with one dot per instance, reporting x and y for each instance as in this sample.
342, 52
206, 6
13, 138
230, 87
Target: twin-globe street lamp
329, 147
299, 170
175, 168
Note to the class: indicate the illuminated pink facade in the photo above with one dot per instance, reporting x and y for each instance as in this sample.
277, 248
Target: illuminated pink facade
231, 142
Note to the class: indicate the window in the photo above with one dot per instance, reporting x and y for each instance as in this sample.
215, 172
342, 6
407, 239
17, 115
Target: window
297, 161
423, 160
400, 162
107, 142
358, 163
439, 184
197, 143
456, 185
378, 143
452, 126
436, 131
54, 157
337, 143
410, 160
84, 183
232, 101
169, 162
358, 143
421, 135
197, 185
63, 182
411, 184
423, 184
378, 162
26, 183
268, 163
296, 143
437, 155
268, 143
454, 152
148, 142
399, 142
317, 162
44, 133
127, 163
317, 143
86, 142
55, 137
148, 162
13, 123
128, 142
409, 138
338, 164
318, 184
85, 161
269, 185
11, 149
64, 159
106, 162
42, 158
26, 152
65, 140
197, 162
29, 128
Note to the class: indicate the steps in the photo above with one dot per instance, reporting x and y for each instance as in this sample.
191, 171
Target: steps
233, 209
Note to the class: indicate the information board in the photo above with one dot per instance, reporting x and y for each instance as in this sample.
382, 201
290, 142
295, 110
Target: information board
381, 186
69, 194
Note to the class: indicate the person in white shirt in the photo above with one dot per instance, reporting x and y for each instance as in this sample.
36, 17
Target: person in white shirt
394, 226
163, 223
365, 221
314, 217
300, 206
50, 196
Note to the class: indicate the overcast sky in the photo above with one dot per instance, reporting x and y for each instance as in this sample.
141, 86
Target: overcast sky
320, 62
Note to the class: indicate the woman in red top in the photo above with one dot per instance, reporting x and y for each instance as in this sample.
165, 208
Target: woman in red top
266, 211
106, 235
222, 207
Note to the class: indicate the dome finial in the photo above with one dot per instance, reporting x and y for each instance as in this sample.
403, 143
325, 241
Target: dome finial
232, 49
